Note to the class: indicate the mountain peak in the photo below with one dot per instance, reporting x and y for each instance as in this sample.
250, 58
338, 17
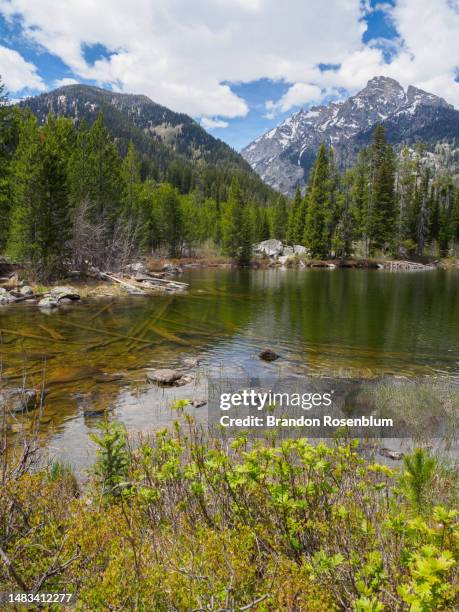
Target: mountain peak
378, 82
283, 156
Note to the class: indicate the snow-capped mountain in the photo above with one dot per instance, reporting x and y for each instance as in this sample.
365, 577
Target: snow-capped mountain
284, 155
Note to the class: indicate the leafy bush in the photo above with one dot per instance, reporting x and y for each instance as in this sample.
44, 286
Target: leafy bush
191, 522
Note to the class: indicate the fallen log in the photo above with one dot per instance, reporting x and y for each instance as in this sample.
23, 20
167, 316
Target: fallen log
160, 281
121, 282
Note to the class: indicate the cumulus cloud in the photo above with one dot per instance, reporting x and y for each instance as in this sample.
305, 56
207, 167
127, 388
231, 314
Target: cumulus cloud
17, 74
183, 53
297, 95
210, 123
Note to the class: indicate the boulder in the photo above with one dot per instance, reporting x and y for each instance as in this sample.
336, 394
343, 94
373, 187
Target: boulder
164, 376
268, 354
5, 297
270, 248
137, 268
19, 400
288, 251
60, 293
299, 249
48, 302
26, 291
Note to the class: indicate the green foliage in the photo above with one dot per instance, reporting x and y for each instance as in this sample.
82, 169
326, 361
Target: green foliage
318, 232
40, 224
205, 523
417, 476
236, 227
111, 467
69, 200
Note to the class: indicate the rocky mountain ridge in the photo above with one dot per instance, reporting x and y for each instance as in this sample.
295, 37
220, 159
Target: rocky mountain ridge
284, 155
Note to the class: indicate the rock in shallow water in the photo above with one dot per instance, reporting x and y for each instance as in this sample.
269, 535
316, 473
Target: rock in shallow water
268, 354
19, 400
67, 293
48, 302
164, 376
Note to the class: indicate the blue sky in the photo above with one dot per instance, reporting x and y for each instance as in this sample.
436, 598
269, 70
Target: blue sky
238, 66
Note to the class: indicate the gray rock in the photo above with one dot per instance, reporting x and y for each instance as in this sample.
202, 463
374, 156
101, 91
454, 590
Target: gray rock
299, 249
198, 403
19, 400
164, 376
288, 250
7, 299
48, 302
190, 362
59, 293
270, 248
138, 268
268, 354
26, 290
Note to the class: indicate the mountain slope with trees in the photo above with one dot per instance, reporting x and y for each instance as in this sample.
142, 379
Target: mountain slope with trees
172, 146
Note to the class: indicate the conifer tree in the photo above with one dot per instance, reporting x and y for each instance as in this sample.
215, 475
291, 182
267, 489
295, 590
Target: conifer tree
9, 130
237, 226
130, 173
169, 219
381, 214
279, 224
316, 235
40, 227
293, 217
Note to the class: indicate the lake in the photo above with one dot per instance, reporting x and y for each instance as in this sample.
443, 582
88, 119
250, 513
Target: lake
342, 323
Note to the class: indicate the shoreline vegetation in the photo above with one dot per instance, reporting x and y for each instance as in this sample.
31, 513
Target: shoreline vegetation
181, 520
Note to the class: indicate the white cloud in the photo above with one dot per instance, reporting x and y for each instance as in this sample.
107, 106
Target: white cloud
182, 52
209, 123
65, 81
297, 95
16, 73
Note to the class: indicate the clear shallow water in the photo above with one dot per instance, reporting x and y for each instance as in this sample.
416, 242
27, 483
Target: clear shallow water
354, 323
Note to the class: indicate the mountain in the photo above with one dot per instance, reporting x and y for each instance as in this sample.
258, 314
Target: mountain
284, 155
172, 142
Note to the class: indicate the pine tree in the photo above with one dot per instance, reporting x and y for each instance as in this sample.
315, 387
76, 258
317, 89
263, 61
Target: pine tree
317, 231
9, 131
130, 173
40, 226
381, 214
360, 194
293, 217
169, 219
279, 224
301, 218
237, 226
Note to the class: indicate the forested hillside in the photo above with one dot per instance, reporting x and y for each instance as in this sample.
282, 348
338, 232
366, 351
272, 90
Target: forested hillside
69, 199
173, 147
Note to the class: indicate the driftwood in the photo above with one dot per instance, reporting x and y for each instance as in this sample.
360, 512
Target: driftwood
121, 282
160, 281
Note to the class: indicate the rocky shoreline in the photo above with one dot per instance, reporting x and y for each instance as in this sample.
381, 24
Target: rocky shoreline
274, 253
